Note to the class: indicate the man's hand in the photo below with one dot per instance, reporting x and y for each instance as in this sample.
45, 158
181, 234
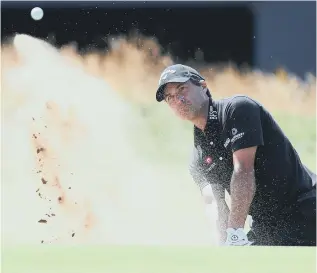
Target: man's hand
236, 237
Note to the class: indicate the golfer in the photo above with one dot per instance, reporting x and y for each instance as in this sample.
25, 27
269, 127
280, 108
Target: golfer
240, 148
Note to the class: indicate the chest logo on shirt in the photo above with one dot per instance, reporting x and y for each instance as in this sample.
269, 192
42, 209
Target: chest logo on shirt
210, 163
208, 160
212, 114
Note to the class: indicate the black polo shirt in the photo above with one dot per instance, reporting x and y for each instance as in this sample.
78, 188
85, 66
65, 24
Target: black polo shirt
240, 122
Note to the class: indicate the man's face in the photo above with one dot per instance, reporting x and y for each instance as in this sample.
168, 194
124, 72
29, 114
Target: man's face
185, 99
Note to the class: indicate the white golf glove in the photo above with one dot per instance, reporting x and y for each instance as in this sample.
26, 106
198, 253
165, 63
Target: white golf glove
236, 237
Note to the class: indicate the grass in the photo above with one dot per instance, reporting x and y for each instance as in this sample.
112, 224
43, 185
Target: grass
138, 259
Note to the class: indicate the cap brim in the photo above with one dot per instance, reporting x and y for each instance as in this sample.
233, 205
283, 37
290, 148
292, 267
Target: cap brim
160, 90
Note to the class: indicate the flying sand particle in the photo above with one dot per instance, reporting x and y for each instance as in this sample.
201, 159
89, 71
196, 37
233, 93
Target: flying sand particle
43, 180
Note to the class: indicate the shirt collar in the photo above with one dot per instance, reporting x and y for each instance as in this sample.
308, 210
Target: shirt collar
212, 128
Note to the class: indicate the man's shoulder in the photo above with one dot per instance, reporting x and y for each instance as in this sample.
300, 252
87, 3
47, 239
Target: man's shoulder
236, 101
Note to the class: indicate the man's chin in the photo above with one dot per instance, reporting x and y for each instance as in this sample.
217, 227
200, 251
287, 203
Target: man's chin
186, 116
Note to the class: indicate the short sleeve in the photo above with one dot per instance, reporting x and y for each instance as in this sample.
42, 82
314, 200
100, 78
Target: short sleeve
242, 124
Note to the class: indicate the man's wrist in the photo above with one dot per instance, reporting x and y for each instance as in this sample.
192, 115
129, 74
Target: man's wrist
234, 222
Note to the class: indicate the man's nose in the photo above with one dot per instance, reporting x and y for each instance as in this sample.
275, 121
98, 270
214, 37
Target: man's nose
180, 99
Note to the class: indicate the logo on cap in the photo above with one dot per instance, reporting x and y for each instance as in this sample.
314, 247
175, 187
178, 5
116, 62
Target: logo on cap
165, 74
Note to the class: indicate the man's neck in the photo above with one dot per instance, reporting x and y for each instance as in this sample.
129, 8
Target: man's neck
201, 121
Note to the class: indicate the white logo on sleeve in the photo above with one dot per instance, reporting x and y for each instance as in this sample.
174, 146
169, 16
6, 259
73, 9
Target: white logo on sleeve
235, 137
227, 142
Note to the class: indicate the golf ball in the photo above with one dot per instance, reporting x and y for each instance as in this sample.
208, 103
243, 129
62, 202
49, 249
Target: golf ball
37, 13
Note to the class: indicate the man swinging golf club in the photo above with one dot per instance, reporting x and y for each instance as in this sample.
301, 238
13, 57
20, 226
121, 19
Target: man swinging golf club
239, 147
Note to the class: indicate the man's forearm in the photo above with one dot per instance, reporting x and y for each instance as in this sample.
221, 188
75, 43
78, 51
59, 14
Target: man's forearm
217, 214
216, 209
242, 189
222, 210
223, 216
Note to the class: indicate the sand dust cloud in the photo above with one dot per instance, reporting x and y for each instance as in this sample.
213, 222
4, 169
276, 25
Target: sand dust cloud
73, 163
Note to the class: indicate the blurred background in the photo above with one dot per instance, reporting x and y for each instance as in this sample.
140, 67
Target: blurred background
266, 35
89, 157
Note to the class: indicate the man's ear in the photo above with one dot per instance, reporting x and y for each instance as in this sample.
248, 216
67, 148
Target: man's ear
203, 83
